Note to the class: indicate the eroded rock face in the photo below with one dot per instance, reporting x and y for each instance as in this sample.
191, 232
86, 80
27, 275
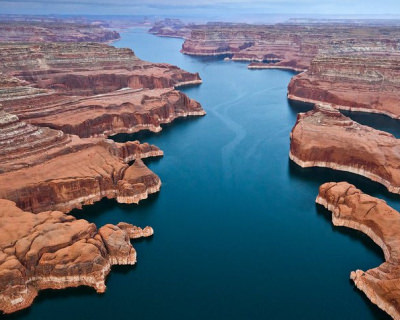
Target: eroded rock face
324, 137
122, 111
45, 169
353, 209
54, 31
54, 250
358, 80
91, 89
287, 46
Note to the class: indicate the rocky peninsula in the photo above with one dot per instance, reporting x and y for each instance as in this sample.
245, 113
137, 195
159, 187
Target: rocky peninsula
323, 137
52, 250
354, 209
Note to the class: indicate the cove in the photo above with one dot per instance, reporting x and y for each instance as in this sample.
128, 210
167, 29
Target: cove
237, 232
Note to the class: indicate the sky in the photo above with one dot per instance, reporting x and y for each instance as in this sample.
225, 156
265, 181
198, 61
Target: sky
385, 8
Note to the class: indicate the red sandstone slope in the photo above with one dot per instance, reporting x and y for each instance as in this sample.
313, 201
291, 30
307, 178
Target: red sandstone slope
324, 137
353, 209
54, 250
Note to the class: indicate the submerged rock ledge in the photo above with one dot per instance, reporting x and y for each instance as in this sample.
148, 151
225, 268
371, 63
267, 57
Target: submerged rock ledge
352, 208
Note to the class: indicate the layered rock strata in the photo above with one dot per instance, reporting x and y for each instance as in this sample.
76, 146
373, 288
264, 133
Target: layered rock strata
52, 250
173, 28
353, 209
352, 80
287, 46
54, 31
44, 169
324, 137
91, 89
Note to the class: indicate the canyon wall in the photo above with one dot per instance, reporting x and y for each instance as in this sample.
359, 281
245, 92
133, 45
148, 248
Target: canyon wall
357, 80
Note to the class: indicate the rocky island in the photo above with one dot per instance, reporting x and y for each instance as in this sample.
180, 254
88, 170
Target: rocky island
354, 209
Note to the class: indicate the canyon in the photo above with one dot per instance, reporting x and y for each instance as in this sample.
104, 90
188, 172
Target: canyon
351, 66
354, 209
61, 97
61, 101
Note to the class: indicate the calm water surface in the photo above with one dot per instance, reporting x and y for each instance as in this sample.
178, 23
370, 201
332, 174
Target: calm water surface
237, 231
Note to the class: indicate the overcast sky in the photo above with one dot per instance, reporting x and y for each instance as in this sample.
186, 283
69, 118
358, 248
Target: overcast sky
199, 7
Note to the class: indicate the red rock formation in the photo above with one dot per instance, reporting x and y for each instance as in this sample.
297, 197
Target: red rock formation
45, 169
173, 28
54, 250
54, 31
92, 89
287, 46
352, 80
122, 111
49, 91
324, 137
353, 209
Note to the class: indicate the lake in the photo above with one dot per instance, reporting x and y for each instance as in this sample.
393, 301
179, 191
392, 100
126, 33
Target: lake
237, 232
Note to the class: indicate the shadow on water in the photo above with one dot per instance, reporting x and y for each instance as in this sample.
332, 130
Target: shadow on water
377, 121
48, 295
367, 242
142, 136
373, 120
105, 206
352, 234
299, 107
322, 175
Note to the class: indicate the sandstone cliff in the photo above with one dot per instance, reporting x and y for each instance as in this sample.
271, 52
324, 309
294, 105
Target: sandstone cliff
44, 169
287, 46
353, 209
54, 31
91, 89
352, 80
324, 137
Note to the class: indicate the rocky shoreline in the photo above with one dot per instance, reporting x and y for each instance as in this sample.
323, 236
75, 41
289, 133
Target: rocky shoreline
60, 99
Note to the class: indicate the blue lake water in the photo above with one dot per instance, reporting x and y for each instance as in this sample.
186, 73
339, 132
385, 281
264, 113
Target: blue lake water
237, 231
